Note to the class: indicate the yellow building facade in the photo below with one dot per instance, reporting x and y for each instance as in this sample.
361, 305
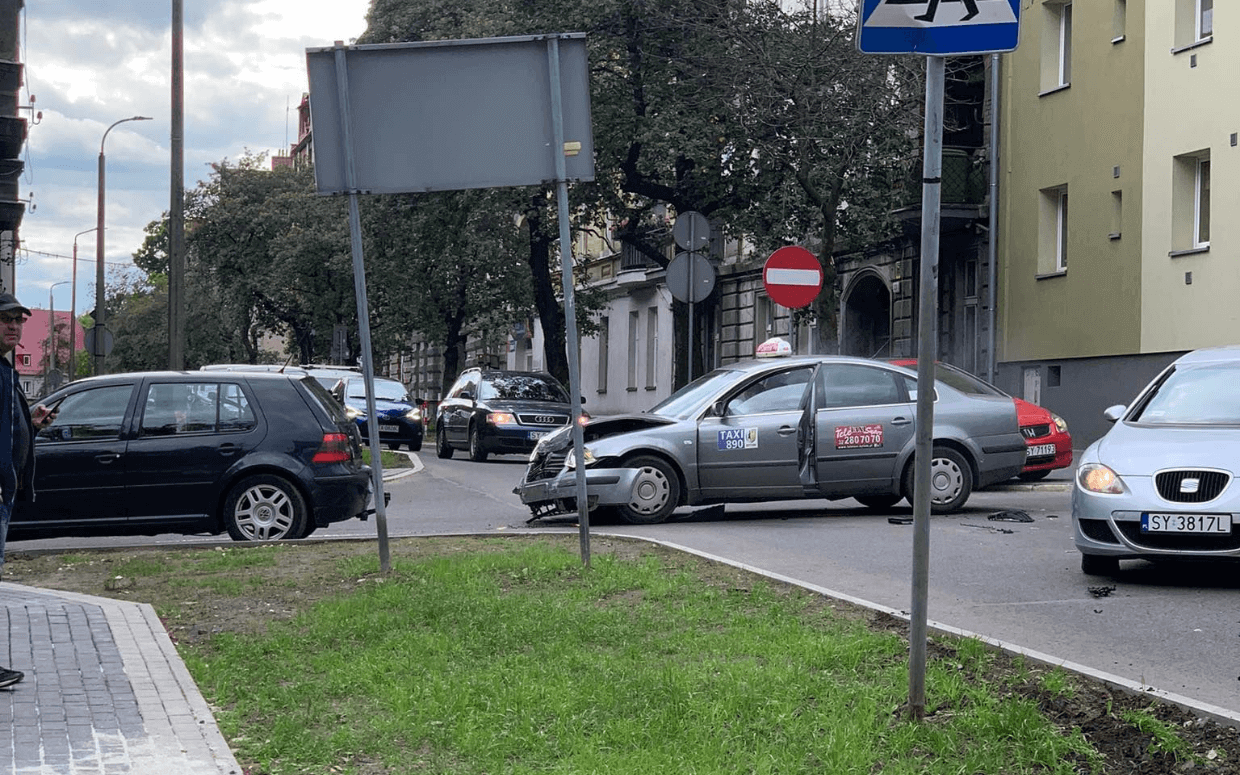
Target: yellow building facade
1118, 239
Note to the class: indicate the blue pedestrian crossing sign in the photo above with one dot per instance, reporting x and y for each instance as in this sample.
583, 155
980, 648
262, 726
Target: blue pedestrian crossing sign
938, 27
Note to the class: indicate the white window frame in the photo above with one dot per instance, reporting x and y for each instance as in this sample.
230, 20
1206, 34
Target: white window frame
1201, 203
1061, 230
1065, 44
652, 347
1203, 16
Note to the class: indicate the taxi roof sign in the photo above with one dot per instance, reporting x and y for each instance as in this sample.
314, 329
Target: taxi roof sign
775, 347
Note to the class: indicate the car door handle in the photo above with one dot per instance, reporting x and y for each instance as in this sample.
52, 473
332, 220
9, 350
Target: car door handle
787, 430
108, 457
901, 421
228, 449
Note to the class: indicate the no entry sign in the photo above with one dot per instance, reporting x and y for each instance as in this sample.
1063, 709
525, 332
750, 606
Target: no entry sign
792, 277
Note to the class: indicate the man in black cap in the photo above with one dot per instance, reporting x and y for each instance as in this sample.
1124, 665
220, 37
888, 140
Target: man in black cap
17, 428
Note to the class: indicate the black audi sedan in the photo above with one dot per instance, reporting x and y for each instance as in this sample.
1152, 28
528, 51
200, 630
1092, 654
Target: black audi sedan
260, 455
491, 411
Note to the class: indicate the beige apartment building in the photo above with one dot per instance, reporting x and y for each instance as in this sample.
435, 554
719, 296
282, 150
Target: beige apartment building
1118, 143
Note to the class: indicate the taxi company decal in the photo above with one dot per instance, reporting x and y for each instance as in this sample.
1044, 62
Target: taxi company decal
738, 438
858, 436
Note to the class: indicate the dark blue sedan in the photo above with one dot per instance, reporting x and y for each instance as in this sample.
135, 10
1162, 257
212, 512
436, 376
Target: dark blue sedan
400, 420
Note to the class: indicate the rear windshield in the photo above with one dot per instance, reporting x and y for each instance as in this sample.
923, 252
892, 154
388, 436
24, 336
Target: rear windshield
319, 394
1204, 395
524, 387
964, 381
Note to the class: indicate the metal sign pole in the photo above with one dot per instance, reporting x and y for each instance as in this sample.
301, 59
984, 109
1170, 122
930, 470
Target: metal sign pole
932, 169
363, 309
692, 291
570, 305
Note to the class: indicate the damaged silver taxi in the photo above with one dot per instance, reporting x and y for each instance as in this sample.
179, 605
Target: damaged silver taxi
830, 427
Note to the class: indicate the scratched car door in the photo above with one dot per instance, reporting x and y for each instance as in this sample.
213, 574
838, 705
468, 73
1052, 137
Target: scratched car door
752, 450
865, 418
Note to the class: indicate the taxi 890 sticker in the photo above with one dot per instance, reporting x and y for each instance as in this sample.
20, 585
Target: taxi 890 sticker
738, 438
858, 436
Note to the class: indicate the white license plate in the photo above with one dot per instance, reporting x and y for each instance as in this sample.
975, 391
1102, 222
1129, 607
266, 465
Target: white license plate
389, 428
536, 435
1041, 450
1185, 523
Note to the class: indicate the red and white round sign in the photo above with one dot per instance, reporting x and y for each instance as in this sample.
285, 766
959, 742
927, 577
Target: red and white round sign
792, 277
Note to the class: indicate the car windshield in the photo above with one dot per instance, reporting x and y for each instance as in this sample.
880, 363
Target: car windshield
522, 387
385, 390
1205, 395
686, 401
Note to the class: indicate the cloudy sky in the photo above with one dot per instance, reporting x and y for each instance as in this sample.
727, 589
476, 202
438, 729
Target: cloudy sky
89, 63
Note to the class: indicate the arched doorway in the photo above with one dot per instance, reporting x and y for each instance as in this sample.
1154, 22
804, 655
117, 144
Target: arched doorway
867, 318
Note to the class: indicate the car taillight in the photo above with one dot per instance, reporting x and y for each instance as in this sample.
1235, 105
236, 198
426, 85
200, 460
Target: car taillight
334, 449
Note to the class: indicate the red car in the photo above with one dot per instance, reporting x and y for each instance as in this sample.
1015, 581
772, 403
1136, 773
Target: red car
1046, 433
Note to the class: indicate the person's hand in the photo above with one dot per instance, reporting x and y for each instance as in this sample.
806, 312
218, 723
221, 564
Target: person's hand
41, 416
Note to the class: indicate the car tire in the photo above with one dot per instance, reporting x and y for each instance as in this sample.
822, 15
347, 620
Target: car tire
415, 445
655, 494
477, 452
265, 507
1033, 476
393, 445
877, 501
442, 448
951, 481
1099, 565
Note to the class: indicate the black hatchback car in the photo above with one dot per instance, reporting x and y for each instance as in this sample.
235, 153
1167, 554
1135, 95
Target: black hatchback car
499, 412
262, 456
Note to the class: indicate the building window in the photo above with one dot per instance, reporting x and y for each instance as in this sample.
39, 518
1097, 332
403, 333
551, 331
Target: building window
25, 360
604, 333
1190, 202
652, 346
1053, 231
763, 320
1204, 14
1056, 46
1194, 22
634, 318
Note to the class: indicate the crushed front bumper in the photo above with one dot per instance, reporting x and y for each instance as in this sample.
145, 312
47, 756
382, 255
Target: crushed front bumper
558, 494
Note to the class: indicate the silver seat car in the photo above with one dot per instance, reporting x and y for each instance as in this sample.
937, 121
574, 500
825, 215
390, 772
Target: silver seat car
1161, 483
774, 429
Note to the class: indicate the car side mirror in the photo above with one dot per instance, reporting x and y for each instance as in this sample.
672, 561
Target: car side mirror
719, 408
1113, 413
420, 402
468, 395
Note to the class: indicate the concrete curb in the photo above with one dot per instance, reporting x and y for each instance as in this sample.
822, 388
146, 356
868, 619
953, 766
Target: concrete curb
1202, 709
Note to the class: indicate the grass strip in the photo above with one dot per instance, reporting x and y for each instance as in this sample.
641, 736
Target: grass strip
516, 659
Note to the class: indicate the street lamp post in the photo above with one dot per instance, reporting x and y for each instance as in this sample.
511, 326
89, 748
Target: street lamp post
99, 313
51, 336
73, 314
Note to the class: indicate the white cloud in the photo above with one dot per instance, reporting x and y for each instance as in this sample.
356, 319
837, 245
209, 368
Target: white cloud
91, 64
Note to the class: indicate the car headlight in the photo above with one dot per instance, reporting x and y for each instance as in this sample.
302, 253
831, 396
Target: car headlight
1060, 423
1095, 477
570, 462
354, 414
501, 418
414, 415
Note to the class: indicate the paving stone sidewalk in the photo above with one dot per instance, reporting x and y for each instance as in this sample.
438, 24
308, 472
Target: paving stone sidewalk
105, 692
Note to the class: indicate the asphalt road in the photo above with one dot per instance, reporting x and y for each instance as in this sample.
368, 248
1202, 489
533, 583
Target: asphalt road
1172, 627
